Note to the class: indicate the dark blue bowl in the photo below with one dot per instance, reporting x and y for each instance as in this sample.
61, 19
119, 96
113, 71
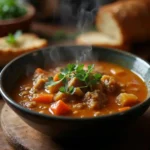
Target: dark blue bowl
57, 126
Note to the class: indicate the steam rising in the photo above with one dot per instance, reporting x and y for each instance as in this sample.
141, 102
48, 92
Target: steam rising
58, 55
86, 54
55, 55
82, 15
79, 13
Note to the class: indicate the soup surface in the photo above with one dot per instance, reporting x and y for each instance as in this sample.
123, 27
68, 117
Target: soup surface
81, 90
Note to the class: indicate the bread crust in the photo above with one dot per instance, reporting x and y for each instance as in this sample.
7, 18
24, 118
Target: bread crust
120, 47
9, 53
132, 18
80, 41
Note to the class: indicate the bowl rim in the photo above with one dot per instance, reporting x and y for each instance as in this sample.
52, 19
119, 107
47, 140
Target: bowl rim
30, 14
8, 99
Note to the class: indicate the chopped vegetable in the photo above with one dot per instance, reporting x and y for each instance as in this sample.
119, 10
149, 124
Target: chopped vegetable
59, 108
74, 82
78, 92
56, 77
52, 86
60, 96
125, 99
12, 38
43, 98
123, 109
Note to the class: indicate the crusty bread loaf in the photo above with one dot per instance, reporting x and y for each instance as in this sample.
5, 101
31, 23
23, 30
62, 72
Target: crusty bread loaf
99, 39
126, 21
120, 23
25, 43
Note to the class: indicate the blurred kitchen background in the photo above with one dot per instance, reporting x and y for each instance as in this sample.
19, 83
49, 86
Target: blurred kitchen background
56, 18
60, 21
65, 11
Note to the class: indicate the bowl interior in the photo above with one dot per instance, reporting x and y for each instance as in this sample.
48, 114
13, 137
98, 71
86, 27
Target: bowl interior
26, 64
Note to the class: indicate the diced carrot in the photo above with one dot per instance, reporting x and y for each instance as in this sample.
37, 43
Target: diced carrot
123, 109
56, 77
59, 108
43, 98
39, 70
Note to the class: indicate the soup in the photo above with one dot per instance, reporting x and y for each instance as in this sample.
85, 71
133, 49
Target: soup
81, 90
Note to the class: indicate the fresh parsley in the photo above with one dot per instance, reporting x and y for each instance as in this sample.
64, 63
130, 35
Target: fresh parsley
87, 76
10, 9
12, 38
51, 82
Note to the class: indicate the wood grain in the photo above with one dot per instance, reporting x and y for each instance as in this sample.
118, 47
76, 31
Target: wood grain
3, 142
22, 136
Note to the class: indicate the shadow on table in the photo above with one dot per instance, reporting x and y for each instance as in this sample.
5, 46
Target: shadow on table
137, 136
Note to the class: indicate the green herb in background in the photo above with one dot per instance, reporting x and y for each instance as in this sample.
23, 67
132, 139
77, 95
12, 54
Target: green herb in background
12, 38
10, 9
93, 28
61, 35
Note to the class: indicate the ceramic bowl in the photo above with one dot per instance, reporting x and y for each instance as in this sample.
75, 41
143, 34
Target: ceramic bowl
58, 126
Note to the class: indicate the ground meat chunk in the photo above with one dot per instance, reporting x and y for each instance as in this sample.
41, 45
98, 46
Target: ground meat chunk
109, 83
39, 81
95, 99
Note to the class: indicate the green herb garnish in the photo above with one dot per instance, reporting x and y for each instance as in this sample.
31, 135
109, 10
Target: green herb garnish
12, 38
88, 77
10, 9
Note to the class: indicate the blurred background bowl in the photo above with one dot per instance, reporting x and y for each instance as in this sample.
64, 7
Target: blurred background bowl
22, 23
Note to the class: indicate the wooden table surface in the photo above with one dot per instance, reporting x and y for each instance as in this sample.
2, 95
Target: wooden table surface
3, 142
140, 133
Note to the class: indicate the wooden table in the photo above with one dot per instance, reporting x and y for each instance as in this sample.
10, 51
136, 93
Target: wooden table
3, 142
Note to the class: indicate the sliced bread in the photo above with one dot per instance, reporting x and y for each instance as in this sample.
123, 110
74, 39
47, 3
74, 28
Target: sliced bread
126, 21
25, 43
120, 24
99, 39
